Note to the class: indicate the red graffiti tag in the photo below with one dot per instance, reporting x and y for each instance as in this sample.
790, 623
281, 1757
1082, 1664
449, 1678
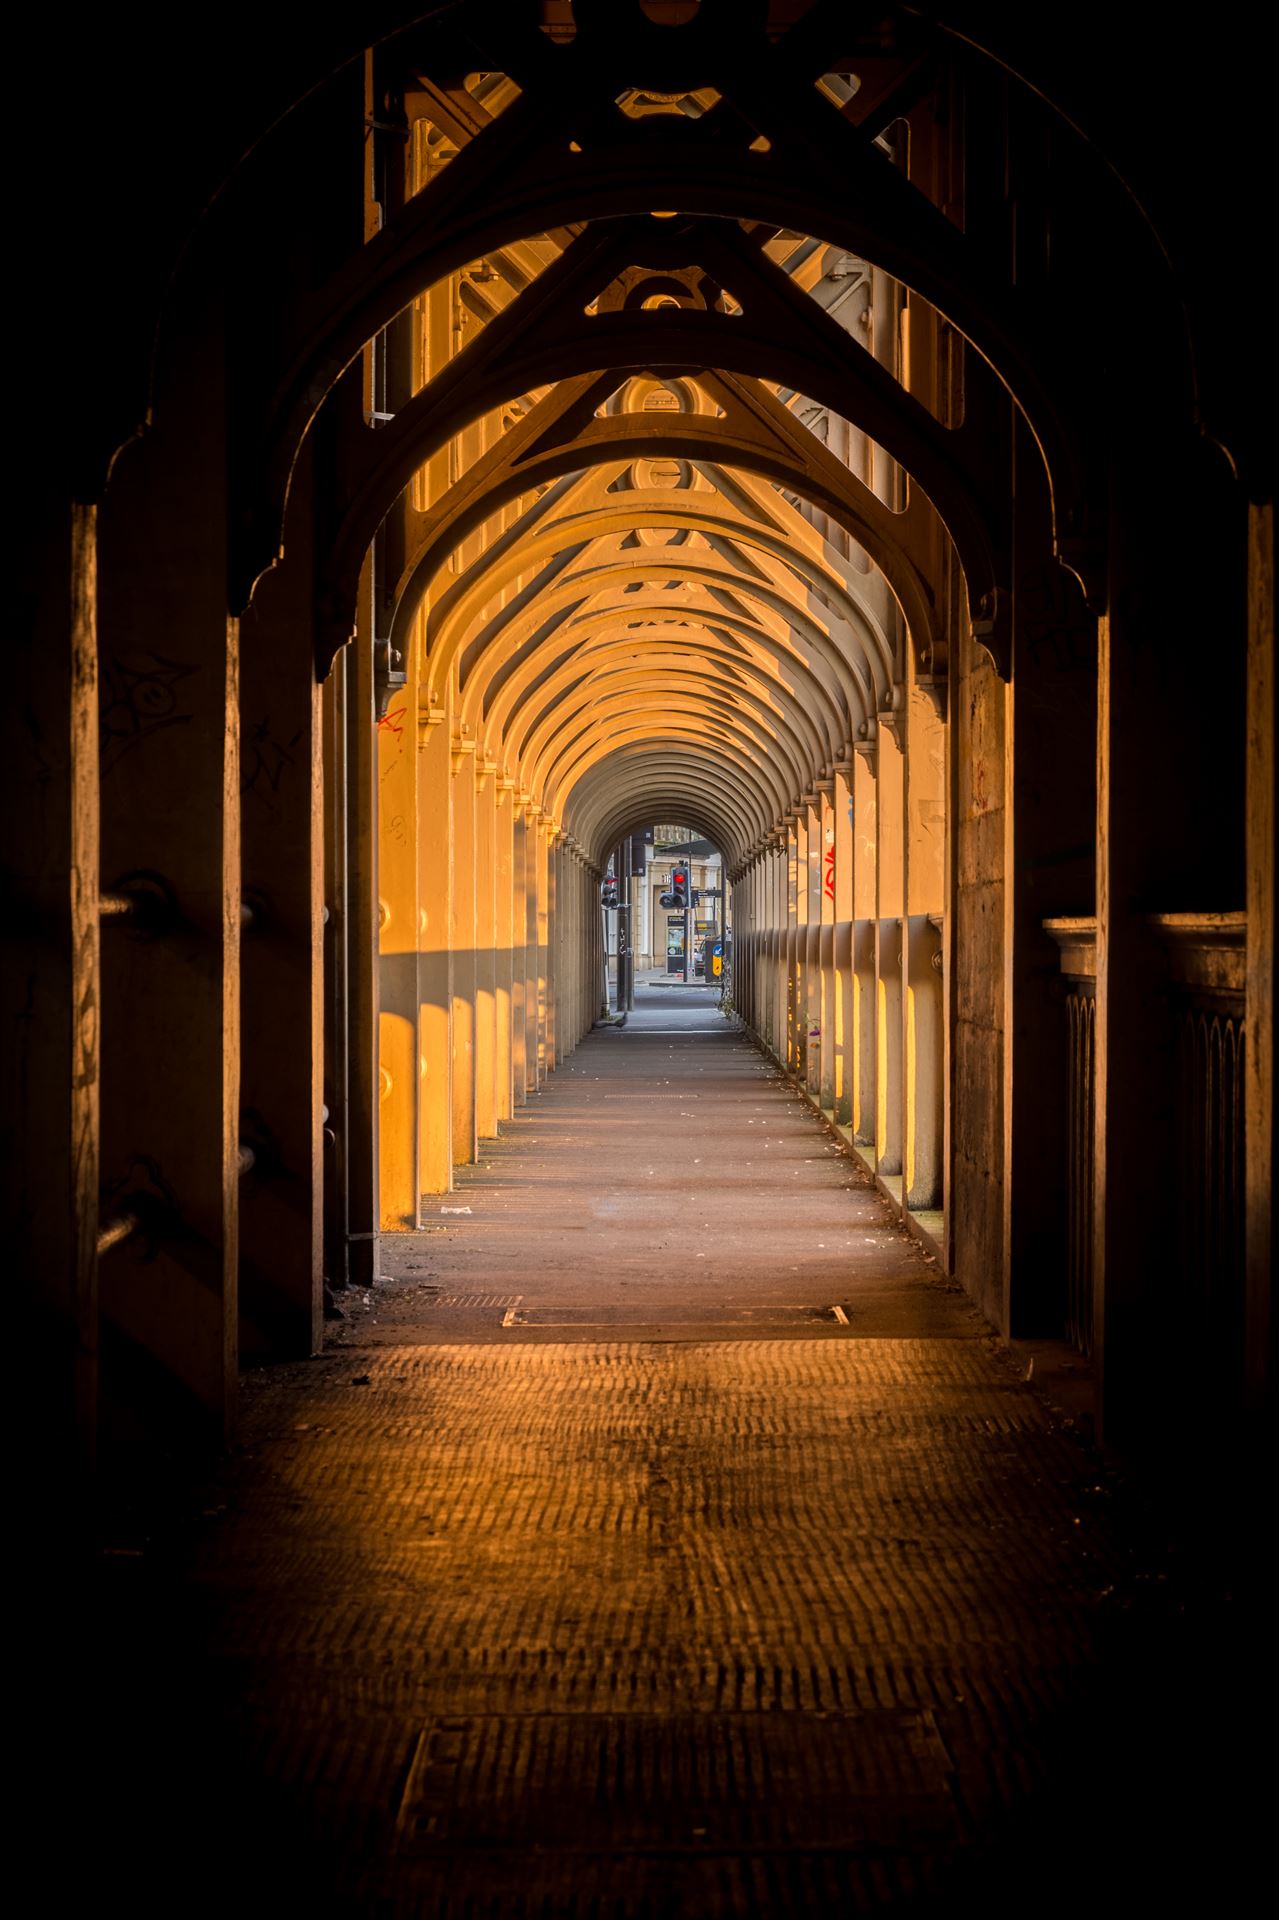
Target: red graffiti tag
393, 721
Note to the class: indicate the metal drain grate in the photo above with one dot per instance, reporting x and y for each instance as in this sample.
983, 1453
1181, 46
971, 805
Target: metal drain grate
480, 1299
677, 1314
702, 1782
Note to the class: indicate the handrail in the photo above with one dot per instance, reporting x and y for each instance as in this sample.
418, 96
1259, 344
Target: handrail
113, 1232
122, 1226
146, 907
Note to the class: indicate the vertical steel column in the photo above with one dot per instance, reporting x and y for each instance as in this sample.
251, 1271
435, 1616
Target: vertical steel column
282, 1048
52, 992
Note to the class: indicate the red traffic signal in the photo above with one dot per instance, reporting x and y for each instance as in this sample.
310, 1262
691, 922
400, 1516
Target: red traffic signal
677, 894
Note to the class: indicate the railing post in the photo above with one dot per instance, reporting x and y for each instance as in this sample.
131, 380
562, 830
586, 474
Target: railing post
1077, 942
1206, 963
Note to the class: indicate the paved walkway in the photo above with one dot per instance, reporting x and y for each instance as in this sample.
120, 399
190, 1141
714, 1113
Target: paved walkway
664, 1538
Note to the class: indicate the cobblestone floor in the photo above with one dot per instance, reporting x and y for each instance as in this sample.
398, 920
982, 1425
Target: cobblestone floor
571, 1581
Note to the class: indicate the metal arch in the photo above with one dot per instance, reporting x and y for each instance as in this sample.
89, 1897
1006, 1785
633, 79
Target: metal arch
661, 637
619, 515
615, 693
444, 640
754, 641
559, 770
694, 751
859, 689
631, 782
801, 624
754, 769
478, 685
666, 787
828, 365
778, 447
604, 650
820, 174
650, 777
734, 739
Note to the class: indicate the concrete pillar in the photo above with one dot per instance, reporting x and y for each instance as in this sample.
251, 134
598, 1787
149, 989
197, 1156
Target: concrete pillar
865, 1018
553, 858
519, 951
796, 973
435, 948
812, 1021
541, 923
890, 881
528, 834
756, 909
399, 951
843, 1050
583, 882
826, 1015
783, 872
462, 937
581, 906
485, 951
741, 963
504, 943
924, 847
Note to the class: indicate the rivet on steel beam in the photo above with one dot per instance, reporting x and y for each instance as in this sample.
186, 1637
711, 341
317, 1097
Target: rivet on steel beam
143, 901
112, 1232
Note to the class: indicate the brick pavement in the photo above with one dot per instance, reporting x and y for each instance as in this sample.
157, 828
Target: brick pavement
584, 1577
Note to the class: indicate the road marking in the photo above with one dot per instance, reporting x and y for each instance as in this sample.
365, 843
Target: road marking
840, 1315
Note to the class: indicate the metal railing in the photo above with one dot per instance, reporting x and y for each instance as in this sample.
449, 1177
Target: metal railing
1077, 942
143, 1213
1206, 963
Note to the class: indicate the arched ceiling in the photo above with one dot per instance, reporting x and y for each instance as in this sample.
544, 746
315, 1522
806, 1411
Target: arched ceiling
672, 516
655, 591
657, 634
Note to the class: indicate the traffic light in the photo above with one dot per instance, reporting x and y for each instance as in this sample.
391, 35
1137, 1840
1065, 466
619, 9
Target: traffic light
608, 890
677, 894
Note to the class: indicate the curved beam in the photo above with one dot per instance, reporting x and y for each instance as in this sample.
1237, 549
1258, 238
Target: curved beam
636, 343
750, 756
691, 663
611, 698
762, 436
863, 674
662, 782
630, 782
451, 622
820, 175
491, 684
747, 791
499, 718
